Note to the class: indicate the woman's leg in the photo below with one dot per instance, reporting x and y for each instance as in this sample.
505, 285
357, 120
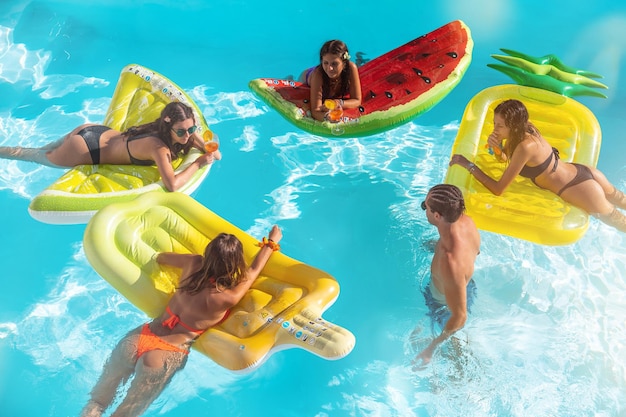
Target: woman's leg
72, 151
617, 198
588, 195
304, 76
615, 219
152, 374
613, 195
69, 151
36, 155
593, 197
118, 368
54, 145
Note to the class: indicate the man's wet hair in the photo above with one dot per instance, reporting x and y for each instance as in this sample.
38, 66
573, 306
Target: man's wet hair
447, 200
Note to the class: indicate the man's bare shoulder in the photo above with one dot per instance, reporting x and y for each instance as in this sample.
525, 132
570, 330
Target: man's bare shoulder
466, 234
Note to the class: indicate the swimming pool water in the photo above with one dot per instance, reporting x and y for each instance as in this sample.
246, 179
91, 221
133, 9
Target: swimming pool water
547, 334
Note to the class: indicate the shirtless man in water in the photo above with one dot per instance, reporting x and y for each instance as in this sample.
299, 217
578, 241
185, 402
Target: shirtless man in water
453, 262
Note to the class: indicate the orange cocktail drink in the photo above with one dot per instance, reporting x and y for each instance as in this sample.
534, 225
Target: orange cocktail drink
211, 143
335, 114
211, 146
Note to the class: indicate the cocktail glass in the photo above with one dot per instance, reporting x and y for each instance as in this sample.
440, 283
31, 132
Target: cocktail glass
334, 116
211, 141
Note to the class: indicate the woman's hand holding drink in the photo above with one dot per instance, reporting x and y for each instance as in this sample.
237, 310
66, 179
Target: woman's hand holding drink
494, 144
335, 114
335, 111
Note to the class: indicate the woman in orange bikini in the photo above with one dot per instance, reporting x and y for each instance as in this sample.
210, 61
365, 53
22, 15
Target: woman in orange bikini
210, 286
528, 154
158, 142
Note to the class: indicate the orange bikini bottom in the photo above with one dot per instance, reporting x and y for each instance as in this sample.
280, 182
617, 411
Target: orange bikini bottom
149, 341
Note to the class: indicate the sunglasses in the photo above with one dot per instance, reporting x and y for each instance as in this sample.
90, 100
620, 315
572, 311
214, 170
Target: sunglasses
423, 206
181, 132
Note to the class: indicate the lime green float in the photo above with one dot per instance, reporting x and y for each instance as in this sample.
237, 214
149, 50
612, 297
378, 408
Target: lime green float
548, 73
139, 97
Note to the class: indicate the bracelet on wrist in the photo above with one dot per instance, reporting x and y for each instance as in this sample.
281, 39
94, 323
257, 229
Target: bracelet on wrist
471, 167
269, 243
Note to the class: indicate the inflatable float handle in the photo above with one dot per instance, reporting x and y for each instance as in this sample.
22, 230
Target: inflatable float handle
311, 332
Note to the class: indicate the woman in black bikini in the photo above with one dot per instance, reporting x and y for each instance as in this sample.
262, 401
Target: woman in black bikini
335, 78
158, 142
529, 155
152, 353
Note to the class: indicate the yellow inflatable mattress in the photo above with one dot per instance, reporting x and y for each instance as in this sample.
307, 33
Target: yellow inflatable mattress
524, 210
282, 309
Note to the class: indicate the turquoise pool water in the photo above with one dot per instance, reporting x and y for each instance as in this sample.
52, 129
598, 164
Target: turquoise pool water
547, 335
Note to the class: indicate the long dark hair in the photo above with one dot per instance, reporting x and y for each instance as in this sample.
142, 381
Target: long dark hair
223, 266
173, 112
336, 47
447, 200
515, 117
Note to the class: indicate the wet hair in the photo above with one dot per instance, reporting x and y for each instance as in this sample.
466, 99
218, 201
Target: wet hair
223, 266
447, 200
336, 47
515, 117
172, 113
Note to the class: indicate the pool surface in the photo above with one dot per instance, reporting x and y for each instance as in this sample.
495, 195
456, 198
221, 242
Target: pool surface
547, 333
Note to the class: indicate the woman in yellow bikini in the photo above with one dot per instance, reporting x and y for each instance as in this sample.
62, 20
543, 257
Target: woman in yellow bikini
210, 286
156, 143
528, 154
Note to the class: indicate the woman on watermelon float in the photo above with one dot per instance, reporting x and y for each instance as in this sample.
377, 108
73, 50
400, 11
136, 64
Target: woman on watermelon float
528, 154
156, 143
335, 78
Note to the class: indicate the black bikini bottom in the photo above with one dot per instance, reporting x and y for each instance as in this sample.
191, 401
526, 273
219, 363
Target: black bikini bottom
92, 134
583, 173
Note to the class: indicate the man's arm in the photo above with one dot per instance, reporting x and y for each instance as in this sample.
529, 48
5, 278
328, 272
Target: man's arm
455, 291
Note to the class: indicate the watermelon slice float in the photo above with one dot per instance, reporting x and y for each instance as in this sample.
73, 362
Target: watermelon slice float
396, 87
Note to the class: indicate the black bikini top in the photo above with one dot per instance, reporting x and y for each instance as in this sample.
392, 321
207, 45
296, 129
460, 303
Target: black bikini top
534, 172
133, 160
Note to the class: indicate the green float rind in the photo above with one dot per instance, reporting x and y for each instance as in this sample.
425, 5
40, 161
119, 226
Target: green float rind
139, 97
